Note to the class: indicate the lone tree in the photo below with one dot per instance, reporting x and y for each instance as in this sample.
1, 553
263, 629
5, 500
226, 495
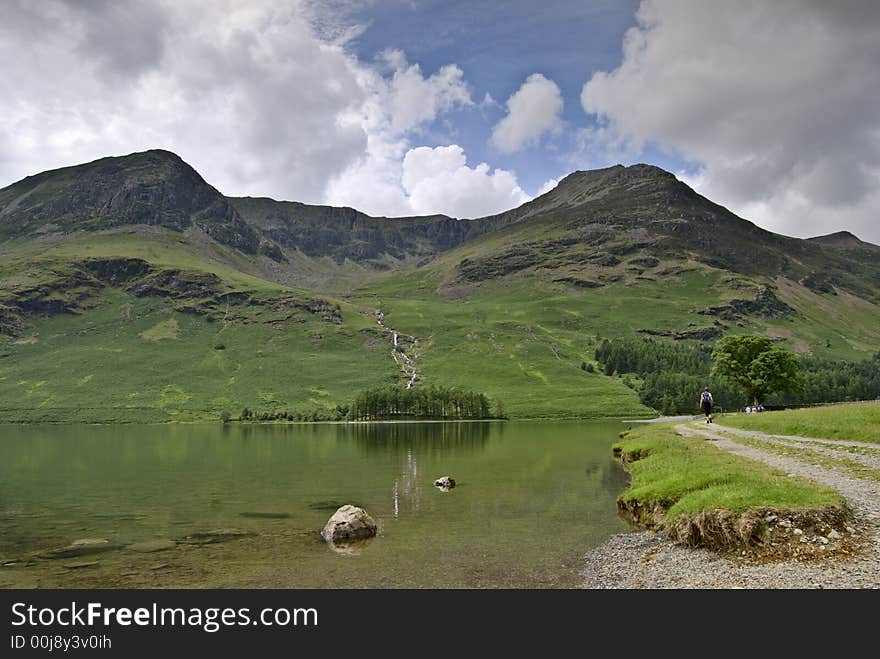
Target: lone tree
756, 365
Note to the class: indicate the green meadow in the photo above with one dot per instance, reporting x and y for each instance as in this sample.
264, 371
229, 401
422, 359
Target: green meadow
857, 421
137, 360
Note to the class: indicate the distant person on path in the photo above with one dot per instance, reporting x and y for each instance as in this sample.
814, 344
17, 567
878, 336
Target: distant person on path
706, 404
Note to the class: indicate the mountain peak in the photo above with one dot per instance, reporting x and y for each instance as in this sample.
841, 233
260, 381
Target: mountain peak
838, 239
618, 173
154, 187
585, 186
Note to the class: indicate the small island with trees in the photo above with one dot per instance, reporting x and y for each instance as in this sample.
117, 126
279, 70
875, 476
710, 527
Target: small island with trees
393, 404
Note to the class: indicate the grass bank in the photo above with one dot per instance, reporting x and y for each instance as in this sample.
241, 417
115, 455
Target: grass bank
703, 496
858, 421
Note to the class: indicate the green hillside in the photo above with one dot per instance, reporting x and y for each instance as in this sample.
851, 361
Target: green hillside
131, 290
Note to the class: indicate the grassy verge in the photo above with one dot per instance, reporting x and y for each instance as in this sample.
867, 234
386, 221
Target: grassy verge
858, 421
703, 496
691, 476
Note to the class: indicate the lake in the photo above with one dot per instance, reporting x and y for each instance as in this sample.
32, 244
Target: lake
532, 499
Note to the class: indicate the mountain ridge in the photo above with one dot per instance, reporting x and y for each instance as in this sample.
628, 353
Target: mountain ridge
191, 303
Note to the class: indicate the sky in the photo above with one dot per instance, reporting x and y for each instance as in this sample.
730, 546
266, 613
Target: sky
415, 107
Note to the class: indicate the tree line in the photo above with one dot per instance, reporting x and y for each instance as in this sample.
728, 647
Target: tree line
834, 381
390, 403
669, 376
422, 403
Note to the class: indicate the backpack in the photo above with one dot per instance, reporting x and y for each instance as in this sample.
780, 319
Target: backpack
705, 397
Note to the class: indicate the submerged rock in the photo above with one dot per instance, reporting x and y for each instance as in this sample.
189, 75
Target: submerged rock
150, 546
80, 548
80, 565
215, 536
444, 483
350, 548
265, 515
347, 524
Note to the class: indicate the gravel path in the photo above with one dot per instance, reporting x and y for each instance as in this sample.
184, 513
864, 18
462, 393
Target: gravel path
650, 560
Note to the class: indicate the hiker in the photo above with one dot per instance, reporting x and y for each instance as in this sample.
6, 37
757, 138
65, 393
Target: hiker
748, 410
706, 404
760, 407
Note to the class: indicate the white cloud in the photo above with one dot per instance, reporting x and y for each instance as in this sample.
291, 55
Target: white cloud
549, 185
414, 99
439, 180
533, 110
778, 101
395, 179
247, 93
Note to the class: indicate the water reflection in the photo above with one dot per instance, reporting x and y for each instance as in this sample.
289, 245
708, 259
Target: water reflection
406, 487
406, 437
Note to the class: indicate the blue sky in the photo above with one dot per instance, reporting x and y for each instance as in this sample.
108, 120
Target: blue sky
498, 45
465, 108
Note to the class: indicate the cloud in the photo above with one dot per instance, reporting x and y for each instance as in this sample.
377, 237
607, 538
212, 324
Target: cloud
533, 110
395, 178
549, 185
244, 92
439, 180
262, 98
778, 101
414, 99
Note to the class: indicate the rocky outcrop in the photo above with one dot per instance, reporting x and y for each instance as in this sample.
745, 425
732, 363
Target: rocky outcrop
348, 524
820, 283
577, 282
698, 334
765, 305
178, 284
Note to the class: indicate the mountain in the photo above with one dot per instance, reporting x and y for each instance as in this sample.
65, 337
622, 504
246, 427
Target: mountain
131, 289
840, 239
154, 188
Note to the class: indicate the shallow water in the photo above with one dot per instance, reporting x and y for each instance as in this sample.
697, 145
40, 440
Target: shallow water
531, 499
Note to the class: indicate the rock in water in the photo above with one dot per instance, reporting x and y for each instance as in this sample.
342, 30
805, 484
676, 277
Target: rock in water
264, 515
151, 546
347, 524
79, 566
81, 548
445, 483
215, 536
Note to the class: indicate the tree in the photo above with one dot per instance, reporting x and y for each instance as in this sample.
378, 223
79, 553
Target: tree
756, 365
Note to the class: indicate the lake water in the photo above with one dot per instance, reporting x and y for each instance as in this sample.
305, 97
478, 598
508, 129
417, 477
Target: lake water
531, 499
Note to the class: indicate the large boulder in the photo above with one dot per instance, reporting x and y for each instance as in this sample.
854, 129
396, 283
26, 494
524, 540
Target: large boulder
349, 523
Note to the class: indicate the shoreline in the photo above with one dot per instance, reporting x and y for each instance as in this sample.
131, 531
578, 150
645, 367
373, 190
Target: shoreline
645, 560
229, 424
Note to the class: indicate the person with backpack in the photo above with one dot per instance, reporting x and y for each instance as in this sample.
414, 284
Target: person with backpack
706, 404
